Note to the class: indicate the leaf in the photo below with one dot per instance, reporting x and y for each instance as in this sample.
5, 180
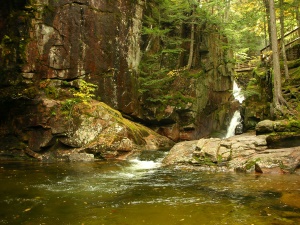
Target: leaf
28, 209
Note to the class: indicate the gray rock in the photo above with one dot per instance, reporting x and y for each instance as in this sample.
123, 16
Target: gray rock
264, 127
239, 129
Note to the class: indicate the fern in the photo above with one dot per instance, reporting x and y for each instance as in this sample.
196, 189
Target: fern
85, 93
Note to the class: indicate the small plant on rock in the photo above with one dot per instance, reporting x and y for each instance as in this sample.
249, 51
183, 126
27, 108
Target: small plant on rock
85, 93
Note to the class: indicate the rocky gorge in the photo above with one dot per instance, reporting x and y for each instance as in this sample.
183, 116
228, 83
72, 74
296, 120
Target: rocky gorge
83, 80
53, 51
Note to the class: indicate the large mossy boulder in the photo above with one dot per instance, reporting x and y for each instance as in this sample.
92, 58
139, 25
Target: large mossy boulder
281, 133
54, 131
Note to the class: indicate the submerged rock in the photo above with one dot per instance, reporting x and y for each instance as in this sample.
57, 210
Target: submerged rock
81, 157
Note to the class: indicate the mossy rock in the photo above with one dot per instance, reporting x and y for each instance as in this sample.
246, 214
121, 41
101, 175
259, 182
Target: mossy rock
283, 140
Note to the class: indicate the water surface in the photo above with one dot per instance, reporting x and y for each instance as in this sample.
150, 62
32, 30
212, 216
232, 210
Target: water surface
141, 192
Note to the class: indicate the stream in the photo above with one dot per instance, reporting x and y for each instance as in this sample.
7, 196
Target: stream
140, 191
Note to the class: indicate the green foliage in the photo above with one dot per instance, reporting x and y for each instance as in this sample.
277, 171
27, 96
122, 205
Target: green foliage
204, 161
51, 92
250, 93
251, 163
68, 104
294, 64
85, 92
83, 95
6, 47
252, 89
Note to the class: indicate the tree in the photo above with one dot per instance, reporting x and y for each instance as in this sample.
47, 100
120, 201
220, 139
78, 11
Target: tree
297, 4
286, 70
192, 41
278, 99
267, 6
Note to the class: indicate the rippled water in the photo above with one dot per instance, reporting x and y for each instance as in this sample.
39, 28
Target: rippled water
141, 192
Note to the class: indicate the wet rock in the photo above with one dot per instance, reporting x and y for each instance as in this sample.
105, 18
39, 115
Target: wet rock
239, 129
81, 157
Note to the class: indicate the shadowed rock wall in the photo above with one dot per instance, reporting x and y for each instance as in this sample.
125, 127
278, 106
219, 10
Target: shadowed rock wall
94, 40
48, 46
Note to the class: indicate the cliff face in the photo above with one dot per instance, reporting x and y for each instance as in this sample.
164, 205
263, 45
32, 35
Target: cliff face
68, 40
188, 93
49, 46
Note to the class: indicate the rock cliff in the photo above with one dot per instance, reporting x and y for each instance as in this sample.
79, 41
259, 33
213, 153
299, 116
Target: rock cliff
68, 40
49, 46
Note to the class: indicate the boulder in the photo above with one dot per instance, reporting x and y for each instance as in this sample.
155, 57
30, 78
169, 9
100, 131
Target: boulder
239, 128
265, 126
209, 148
50, 131
278, 126
181, 153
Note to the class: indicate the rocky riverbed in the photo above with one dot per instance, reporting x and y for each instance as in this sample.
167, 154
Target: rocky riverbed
272, 148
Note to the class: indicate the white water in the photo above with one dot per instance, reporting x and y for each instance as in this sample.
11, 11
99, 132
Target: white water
236, 119
143, 165
237, 93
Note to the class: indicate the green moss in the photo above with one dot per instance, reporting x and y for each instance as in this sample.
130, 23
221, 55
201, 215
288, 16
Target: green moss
51, 92
249, 164
204, 161
30, 92
260, 72
294, 64
294, 125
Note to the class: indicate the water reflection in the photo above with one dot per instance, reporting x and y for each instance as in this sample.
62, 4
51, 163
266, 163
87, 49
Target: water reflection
140, 192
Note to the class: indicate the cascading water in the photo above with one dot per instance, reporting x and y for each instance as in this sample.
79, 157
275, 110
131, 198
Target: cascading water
237, 93
236, 119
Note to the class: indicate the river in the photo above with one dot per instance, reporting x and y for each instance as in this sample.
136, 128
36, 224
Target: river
140, 191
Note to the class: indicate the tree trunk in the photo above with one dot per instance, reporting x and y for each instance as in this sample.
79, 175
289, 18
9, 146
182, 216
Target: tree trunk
267, 5
192, 43
297, 4
227, 10
181, 62
286, 70
278, 99
266, 21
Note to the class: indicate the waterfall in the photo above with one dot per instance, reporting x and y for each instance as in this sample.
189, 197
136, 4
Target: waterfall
237, 93
236, 119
